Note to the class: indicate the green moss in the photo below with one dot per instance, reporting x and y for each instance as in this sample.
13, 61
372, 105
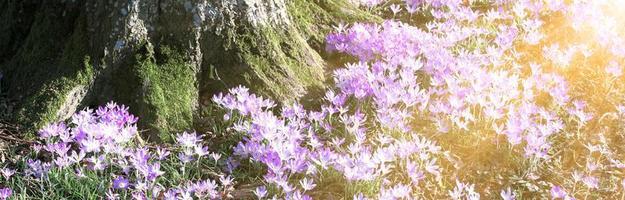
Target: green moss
314, 19
273, 62
171, 92
41, 76
42, 107
278, 61
159, 86
282, 61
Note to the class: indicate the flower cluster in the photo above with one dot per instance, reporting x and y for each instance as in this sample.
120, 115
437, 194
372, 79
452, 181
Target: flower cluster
396, 119
465, 88
502, 70
105, 142
293, 147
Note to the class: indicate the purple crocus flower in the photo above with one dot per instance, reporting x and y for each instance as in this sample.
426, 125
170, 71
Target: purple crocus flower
77, 157
557, 192
151, 171
591, 182
140, 157
508, 194
5, 193
184, 158
188, 140
7, 173
360, 196
614, 69
215, 156
206, 188
260, 192
111, 195
98, 163
36, 168
52, 130
226, 180
120, 183
307, 184
201, 151
139, 196
162, 153
91, 145
171, 194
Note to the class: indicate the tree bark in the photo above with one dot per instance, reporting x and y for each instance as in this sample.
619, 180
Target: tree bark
163, 58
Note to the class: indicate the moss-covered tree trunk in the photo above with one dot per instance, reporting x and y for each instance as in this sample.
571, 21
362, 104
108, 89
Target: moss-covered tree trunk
163, 58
